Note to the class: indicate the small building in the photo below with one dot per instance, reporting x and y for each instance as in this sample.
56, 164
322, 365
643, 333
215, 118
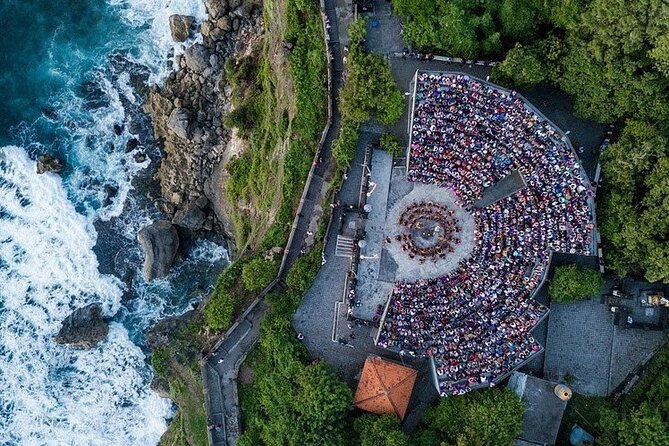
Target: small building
545, 402
384, 387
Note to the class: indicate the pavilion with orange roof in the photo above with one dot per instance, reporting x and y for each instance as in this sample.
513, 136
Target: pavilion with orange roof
384, 387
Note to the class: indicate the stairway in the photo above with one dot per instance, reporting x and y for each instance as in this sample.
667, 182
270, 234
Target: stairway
344, 246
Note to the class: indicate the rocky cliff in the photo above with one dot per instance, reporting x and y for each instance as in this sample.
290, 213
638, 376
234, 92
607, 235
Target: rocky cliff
187, 113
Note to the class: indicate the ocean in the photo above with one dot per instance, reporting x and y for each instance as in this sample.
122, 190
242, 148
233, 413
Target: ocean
71, 77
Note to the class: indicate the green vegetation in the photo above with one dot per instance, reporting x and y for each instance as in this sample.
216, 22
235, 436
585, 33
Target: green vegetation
521, 68
469, 29
369, 89
573, 282
391, 144
280, 105
584, 411
176, 363
293, 400
635, 205
258, 273
490, 417
226, 299
304, 270
385, 430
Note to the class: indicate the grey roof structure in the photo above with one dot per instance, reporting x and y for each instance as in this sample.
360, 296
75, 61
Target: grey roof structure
544, 409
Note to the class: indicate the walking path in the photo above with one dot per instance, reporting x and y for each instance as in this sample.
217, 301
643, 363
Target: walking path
219, 371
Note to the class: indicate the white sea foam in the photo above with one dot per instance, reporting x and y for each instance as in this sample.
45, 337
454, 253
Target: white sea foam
153, 15
52, 394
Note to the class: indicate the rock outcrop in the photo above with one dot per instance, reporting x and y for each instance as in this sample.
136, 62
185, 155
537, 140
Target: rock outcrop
161, 387
160, 243
187, 114
49, 163
84, 328
180, 27
164, 330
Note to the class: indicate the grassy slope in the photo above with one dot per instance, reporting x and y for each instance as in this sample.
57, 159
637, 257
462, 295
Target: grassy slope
290, 108
177, 362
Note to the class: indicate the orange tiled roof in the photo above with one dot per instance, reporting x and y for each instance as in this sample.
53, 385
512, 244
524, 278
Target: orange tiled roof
384, 387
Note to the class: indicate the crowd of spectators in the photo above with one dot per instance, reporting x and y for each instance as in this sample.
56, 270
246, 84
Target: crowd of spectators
476, 321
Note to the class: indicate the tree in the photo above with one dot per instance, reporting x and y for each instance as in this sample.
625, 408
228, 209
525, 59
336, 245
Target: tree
643, 427
293, 402
489, 417
303, 272
573, 282
519, 18
258, 273
384, 430
633, 204
521, 68
391, 144
344, 147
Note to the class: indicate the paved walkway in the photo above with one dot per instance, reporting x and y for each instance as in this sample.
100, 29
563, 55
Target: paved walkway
219, 372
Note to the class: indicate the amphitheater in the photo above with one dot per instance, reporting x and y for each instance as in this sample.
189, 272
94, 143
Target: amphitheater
495, 189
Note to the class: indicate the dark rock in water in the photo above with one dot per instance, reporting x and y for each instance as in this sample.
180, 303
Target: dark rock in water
180, 26
49, 163
93, 95
160, 243
191, 217
131, 145
179, 122
139, 157
84, 328
50, 113
110, 193
161, 387
197, 58
163, 331
118, 129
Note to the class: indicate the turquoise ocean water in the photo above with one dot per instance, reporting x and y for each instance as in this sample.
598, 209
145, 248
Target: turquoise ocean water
71, 72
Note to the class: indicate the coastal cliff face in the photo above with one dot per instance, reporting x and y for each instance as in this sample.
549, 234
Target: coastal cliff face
187, 114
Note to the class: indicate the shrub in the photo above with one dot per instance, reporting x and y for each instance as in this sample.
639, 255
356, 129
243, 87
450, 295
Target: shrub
572, 282
258, 273
343, 149
391, 144
244, 117
160, 361
219, 311
384, 430
304, 270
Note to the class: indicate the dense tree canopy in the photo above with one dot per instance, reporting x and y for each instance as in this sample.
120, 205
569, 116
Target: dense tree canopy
297, 402
369, 89
572, 282
384, 430
481, 418
636, 201
462, 28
